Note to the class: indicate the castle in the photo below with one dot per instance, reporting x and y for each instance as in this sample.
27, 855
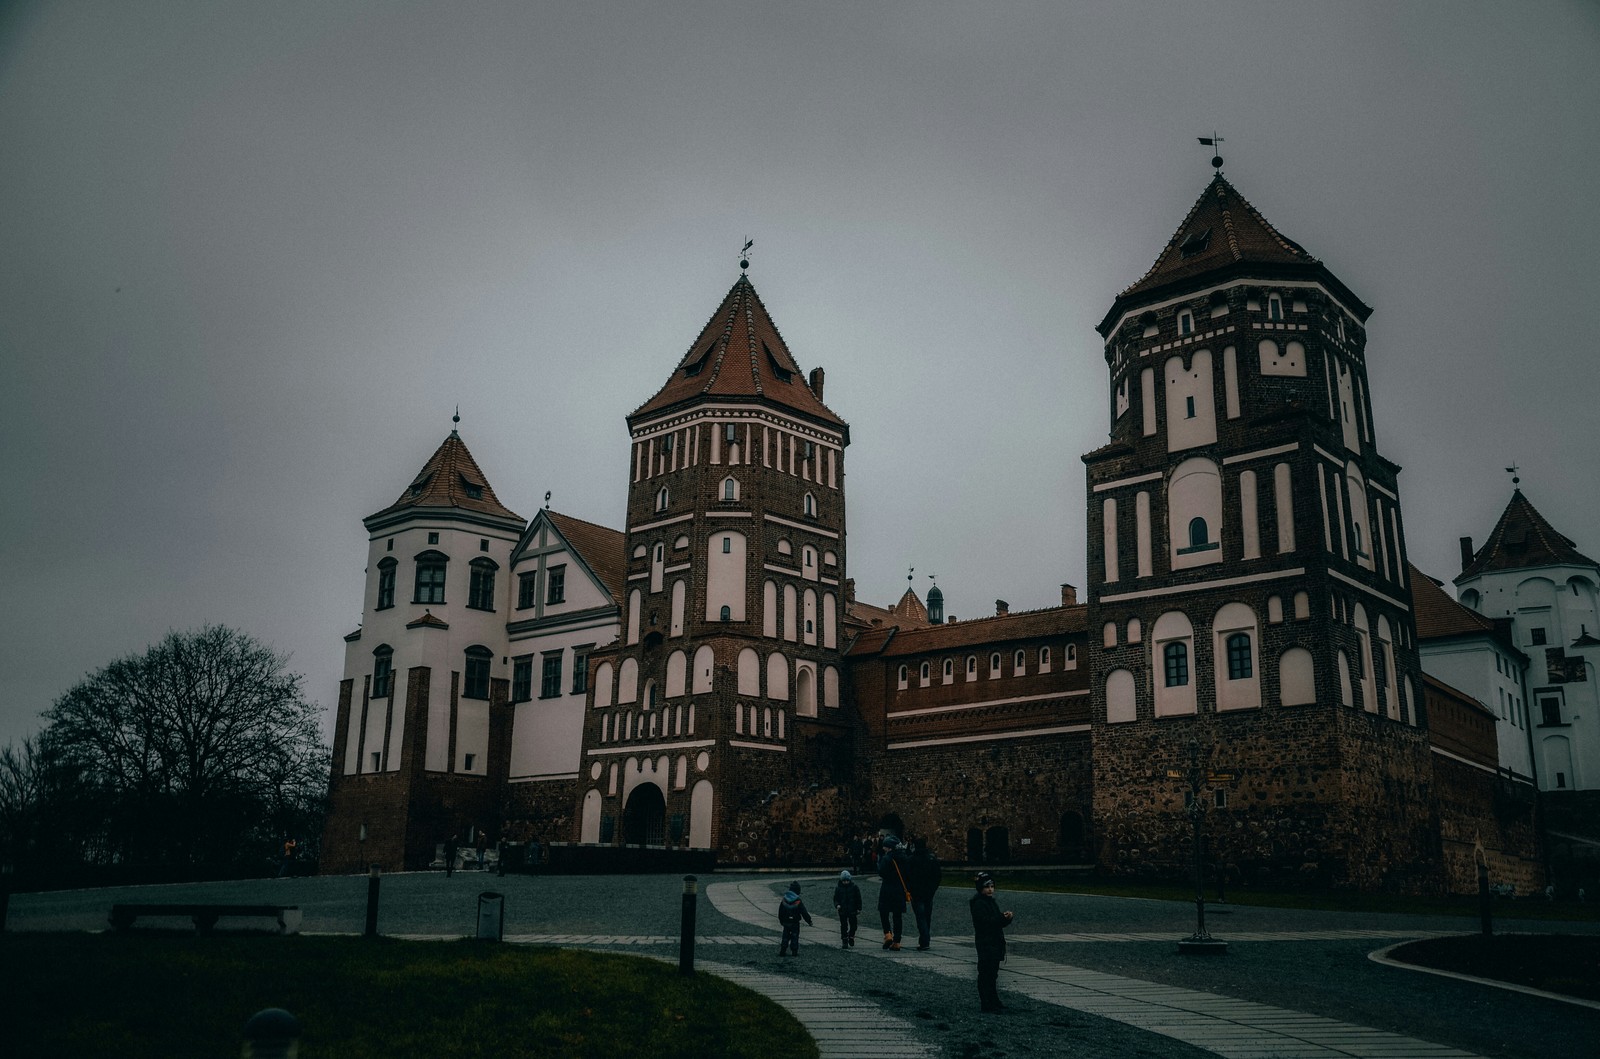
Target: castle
1246, 649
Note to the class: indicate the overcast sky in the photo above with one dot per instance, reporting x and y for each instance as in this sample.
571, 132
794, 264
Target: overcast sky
252, 255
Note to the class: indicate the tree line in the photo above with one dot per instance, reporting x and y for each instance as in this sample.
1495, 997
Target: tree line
197, 758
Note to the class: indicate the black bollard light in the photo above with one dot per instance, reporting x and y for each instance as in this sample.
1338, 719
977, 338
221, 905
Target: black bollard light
374, 877
271, 1033
691, 887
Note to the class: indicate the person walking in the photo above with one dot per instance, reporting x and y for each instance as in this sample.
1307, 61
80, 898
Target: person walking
847, 904
452, 848
893, 893
924, 876
791, 910
989, 933
483, 849
287, 865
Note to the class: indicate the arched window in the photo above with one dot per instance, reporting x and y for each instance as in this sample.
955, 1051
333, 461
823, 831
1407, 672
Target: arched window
727, 613
661, 499
972, 667
924, 674
480, 591
386, 570
994, 664
810, 506
430, 577
1019, 663
730, 489
1199, 533
1175, 660
475, 682
382, 671
904, 678
1044, 659
949, 670
1241, 666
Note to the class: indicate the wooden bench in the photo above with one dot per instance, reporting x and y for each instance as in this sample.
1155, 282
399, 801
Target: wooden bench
205, 916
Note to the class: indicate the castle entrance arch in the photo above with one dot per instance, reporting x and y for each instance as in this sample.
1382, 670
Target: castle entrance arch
974, 845
644, 818
996, 846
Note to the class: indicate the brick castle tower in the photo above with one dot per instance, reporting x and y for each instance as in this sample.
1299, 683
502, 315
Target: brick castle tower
716, 719
1249, 608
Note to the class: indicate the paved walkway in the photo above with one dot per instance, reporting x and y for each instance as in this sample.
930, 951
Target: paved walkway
1238, 1029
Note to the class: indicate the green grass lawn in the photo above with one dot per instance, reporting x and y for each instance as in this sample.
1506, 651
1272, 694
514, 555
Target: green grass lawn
179, 995
1560, 963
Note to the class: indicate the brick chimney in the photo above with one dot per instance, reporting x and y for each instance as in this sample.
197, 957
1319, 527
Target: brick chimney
816, 382
1069, 595
1466, 552
1001, 608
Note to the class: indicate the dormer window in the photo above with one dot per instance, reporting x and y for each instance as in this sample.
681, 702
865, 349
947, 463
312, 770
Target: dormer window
1185, 322
779, 372
473, 490
1194, 243
694, 366
420, 484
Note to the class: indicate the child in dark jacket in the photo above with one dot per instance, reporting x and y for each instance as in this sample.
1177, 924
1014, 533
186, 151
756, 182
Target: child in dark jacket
847, 902
790, 912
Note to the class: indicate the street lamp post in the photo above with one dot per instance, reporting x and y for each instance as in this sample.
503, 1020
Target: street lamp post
1200, 942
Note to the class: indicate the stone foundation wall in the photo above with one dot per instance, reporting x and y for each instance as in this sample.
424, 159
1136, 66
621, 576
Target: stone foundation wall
1477, 808
541, 810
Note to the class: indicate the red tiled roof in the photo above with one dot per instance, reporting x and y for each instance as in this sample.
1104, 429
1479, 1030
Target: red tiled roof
444, 481
866, 614
603, 549
910, 607
740, 354
1456, 693
1231, 229
1439, 616
429, 620
1022, 625
1522, 540
1222, 230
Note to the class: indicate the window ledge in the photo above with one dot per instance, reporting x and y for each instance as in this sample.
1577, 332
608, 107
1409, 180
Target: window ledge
1557, 724
1209, 546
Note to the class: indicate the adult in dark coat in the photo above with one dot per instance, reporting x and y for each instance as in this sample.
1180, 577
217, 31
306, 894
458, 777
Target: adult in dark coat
989, 933
892, 891
924, 876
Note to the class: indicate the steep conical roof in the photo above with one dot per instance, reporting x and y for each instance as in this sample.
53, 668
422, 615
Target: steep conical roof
451, 478
1223, 233
740, 354
1521, 540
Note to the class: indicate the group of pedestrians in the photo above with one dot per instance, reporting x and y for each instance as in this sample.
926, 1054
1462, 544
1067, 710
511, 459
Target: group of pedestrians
908, 874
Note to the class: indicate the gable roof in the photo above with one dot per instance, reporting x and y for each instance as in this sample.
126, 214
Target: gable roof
1224, 234
603, 550
993, 630
1438, 616
445, 481
740, 354
1521, 540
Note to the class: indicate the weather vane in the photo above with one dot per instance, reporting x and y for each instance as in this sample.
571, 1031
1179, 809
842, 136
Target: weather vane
457, 417
744, 253
934, 578
547, 500
911, 573
1215, 143
1512, 471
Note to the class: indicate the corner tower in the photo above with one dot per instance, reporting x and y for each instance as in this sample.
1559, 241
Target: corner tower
1248, 578
422, 728
720, 703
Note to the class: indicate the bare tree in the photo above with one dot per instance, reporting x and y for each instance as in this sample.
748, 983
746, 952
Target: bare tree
204, 748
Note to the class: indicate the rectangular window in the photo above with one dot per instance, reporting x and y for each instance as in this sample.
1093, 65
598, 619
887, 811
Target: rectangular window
382, 676
433, 538
430, 581
1241, 666
1175, 657
386, 584
522, 678
480, 590
476, 684
727, 546
1538, 636
1220, 797
466, 762
580, 672
525, 589
1550, 709
550, 682
377, 761
1185, 323
1189, 407
555, 585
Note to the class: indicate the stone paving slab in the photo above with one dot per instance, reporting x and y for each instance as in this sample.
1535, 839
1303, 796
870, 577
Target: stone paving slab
1226, 1026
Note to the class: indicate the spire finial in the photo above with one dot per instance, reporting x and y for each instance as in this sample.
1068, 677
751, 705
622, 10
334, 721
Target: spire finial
1512, 471
456, 419
744, 254
1215, 143
911, 573
547, 500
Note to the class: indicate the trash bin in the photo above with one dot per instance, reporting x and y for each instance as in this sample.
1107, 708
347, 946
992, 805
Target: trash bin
491, 916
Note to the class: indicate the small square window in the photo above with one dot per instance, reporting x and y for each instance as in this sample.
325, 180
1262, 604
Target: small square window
467, 761
433, 538
483, 544
1538, 636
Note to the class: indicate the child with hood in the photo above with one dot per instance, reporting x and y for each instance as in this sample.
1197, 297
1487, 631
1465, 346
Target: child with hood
790, 912
847, 903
